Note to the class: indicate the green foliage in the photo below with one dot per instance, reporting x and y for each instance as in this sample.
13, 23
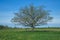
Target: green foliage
32, 16
16, 34
4, 27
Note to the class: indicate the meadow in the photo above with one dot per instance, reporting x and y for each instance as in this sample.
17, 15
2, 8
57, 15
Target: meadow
38, 34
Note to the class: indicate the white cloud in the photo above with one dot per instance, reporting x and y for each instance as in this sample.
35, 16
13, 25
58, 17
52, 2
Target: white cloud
5, 21
5, 17
55, 21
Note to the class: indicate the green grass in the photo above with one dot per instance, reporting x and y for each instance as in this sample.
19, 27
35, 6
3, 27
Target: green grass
20, 34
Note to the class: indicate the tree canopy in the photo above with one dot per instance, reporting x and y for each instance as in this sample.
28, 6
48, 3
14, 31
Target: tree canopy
32, 16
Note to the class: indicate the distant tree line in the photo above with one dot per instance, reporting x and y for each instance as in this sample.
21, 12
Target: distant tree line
4, 27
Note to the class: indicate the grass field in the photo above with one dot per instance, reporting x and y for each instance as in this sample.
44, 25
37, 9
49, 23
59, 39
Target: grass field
21, 34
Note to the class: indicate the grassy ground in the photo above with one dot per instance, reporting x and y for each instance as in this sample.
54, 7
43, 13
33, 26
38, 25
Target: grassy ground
21, 34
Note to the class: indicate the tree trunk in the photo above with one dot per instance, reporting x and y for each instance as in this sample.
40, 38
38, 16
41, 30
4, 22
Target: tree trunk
32, 28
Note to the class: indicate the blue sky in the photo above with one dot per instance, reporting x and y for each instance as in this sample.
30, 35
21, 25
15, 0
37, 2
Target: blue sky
9, 7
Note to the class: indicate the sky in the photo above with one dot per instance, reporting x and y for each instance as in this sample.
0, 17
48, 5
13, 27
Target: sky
9, 7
